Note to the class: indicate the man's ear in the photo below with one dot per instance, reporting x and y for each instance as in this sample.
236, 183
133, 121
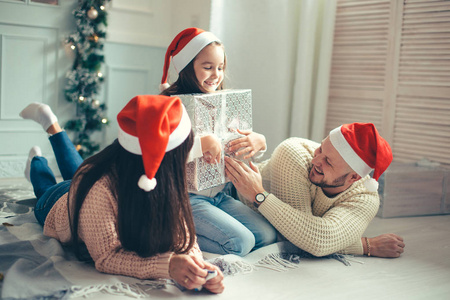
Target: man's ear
354, 177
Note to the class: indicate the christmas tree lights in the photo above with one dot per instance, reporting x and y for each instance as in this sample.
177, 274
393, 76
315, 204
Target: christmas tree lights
83, 81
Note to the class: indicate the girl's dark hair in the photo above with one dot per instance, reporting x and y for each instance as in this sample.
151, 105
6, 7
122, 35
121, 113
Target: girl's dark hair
148, 222
187, 82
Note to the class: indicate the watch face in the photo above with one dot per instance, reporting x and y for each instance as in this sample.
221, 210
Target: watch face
260, 197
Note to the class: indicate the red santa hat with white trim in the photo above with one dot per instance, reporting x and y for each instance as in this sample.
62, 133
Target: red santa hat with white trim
184, 48
363, 149
151, 126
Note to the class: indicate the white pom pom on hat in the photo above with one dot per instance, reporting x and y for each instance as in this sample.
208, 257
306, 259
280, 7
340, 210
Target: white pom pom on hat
151, 126
184, 48
371, 185
163, 86
147, 184
363, 149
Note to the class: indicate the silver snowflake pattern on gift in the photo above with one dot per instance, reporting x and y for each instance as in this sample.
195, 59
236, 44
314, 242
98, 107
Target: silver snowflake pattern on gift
220, 114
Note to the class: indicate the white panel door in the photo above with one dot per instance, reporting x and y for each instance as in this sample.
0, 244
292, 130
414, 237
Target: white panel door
32, 67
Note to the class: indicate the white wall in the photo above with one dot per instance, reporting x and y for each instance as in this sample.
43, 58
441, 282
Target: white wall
32, 68
139, 22
154, 23
257, 37
192, 13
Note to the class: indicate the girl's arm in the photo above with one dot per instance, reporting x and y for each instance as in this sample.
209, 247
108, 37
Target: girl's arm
211, 148
207, 146
196, 150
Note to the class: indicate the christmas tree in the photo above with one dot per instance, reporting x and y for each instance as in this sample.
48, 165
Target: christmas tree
85, 78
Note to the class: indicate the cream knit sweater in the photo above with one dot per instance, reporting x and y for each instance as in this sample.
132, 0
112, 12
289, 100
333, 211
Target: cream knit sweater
303, 214
98, 230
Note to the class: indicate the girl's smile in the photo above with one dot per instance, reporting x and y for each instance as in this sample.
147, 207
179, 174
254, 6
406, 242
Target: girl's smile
209, 67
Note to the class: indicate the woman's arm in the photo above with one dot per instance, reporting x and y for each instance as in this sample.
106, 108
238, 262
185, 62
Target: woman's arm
98, 230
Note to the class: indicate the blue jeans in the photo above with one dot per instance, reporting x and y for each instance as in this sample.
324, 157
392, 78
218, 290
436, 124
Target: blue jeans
66, 155
225, 225
45, 187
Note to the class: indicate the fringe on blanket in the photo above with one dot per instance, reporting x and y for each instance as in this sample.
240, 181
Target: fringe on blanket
275, 261
135, 290
343, 258
232, 268
279, 262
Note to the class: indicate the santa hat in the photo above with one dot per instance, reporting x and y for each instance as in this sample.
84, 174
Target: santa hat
184, 48
151, 126
363, 149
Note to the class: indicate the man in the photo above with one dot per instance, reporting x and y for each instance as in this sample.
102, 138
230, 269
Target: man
320, 196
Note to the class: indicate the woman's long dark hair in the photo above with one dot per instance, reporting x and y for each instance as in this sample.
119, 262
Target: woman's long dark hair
187, 82
148, 222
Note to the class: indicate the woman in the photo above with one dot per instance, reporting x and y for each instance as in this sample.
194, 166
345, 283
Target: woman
129, 204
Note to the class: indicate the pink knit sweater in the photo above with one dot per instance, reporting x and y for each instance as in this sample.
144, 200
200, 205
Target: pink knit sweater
98, 230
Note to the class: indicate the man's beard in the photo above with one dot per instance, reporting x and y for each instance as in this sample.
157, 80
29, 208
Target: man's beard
338, 182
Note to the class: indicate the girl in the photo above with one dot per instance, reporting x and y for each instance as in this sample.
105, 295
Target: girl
128, 204
223, 224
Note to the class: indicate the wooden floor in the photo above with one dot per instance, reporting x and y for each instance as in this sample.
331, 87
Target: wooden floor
422, 272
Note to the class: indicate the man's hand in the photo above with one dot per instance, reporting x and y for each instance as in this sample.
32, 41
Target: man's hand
386, 245
247, 180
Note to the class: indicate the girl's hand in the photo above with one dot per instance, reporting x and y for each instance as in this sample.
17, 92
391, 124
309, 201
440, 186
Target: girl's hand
214, 285
251, 143
187, 270
211, 148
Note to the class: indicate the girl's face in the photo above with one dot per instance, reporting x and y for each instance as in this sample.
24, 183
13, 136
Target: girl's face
209, 67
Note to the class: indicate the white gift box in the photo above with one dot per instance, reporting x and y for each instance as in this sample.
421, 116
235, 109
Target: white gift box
219, 113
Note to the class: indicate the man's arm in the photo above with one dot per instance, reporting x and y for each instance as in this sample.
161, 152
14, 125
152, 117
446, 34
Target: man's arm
335, 225
338, 228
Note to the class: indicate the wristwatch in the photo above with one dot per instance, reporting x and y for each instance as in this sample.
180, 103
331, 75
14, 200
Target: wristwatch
260, 197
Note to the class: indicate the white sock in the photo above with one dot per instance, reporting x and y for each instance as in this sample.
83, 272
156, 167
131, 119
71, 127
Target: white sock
35, 151
40, 113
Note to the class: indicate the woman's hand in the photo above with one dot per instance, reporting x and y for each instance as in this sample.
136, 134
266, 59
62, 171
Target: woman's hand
187, 270
214, 285
191, 271
249, 144
211, 148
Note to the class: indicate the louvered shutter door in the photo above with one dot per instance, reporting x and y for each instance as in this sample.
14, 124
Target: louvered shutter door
358, 68
422, 112
391, 66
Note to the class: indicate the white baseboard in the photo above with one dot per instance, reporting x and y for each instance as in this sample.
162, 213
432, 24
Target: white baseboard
14, 166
